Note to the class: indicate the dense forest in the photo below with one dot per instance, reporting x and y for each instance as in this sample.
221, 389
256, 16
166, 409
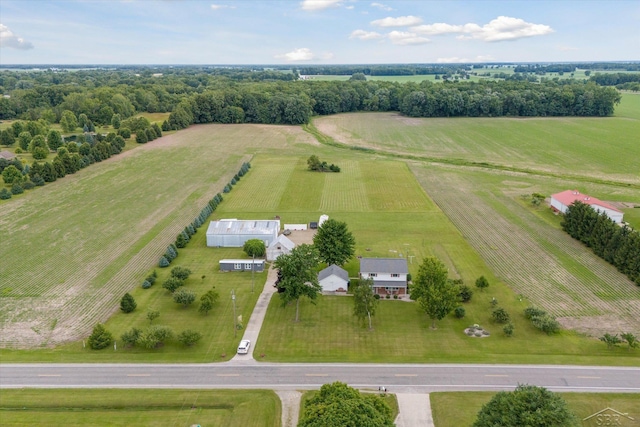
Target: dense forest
619, 246
252, 96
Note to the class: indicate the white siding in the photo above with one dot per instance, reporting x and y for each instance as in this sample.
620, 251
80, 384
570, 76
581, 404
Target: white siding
333, 283
387, 277
558, 205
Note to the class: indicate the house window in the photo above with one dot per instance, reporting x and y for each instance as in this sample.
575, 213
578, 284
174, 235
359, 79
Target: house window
247, 266
237, 266
391, 289
395, 275
373, 274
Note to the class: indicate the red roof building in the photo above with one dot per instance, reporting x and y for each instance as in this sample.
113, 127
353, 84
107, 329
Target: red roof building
560, 202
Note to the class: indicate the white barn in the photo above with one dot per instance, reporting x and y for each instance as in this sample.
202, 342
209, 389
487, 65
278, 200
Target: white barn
560, 202
233, 233
282, 245
333, 279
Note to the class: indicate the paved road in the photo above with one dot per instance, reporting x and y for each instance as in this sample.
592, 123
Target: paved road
250, 374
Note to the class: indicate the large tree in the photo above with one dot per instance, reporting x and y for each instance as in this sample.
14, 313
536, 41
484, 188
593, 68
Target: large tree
364, 301
436, 295
334, 242
254, 248
340, 405
297, 275
68, 121
526, 406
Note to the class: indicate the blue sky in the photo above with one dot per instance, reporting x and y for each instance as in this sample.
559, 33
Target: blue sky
316, 31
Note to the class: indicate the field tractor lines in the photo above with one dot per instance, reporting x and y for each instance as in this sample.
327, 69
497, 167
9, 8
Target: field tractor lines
345, 191
538, 261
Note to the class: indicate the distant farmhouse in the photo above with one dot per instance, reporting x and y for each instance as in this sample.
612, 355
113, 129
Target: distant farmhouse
7, 155
389, 274
333, 279
233, 233
560, 202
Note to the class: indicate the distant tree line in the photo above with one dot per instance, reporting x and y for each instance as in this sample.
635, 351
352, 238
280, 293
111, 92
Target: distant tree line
619, 246
623, 81
383, 69
571, 67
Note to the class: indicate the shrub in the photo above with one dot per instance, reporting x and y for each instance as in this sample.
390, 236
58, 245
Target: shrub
181, 273
127, 303
19, 150
184, 297
164, 262
459, 312
28, 185
500, 315
376, 296
189, 337
16, 189
482, 283
130, 338
172, 283
124, 132
494, 302
181, 241
531, 312
465, 293
546, 324
5, 194
146, 284
387, 297
395, 297
508, 329
100, 338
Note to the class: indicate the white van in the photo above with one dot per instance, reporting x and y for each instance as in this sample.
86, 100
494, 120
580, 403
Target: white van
243, 348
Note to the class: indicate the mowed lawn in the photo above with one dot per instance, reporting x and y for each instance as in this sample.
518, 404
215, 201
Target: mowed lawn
461, 408
603, 148
110, 407
390, 216
70, 250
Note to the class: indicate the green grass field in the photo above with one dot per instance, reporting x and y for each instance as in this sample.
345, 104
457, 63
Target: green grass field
461, 409
111, 407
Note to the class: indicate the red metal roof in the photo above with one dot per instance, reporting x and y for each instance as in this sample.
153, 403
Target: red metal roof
567, 197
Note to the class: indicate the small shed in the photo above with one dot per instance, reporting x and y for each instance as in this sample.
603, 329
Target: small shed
333, 279
256, 265
322, 219
282, 245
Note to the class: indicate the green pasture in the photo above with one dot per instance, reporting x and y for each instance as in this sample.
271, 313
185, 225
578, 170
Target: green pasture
455, 409
73, 248
602, 148
112, 407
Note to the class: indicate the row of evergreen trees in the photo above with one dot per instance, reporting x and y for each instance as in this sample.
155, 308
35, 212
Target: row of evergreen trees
619, 246
185, 235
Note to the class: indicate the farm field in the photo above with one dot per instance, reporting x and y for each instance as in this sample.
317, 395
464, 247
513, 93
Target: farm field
71, 249
407, 224
110, 407
572, 146
461, 408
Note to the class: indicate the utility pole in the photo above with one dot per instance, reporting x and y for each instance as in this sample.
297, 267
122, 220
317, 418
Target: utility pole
233, 300
253, 267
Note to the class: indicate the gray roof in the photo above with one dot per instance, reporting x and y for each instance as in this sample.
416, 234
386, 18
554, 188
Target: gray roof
334, 270
7, 155
243, 227
283, 241
384, 265
389, 284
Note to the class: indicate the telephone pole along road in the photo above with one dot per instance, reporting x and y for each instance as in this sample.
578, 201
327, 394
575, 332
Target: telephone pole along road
398, 378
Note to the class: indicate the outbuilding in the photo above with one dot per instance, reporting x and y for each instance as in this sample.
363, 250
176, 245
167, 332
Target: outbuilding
7, 155
334, 279
256, 265
282, 245
560, 202
233, 233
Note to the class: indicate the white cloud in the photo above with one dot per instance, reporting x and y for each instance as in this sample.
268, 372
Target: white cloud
8, 39
401, 21
319, 4
365, 35
221, 6
382, 6
301, 54
500, 29
404, 38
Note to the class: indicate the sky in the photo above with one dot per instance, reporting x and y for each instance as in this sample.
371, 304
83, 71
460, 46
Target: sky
302, 32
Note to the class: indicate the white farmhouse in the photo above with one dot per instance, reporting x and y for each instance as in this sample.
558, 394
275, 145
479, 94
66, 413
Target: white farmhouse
389, 275
560, 202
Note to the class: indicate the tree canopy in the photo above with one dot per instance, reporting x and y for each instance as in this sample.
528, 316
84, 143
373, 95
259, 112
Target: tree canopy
526, 406
297, 275
334, 242
436, 295
254, 248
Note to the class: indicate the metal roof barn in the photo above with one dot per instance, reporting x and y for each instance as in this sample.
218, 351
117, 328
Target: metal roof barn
234, 233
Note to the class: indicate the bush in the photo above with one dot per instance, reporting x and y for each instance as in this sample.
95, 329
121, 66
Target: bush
5, 194
184, 297
16, 189
131, 337
395, 297
181, 241
100, 338
546, 324
500, 315
146, 284
376, 296
465, 293
482, 283
459, 312
164, 262
531, 312
189, 337
172, 283
28, 185
127, 303
19, 150
124, 132
181, 273
508, 329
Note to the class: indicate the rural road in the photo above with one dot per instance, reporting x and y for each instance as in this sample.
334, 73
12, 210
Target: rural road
298, 376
